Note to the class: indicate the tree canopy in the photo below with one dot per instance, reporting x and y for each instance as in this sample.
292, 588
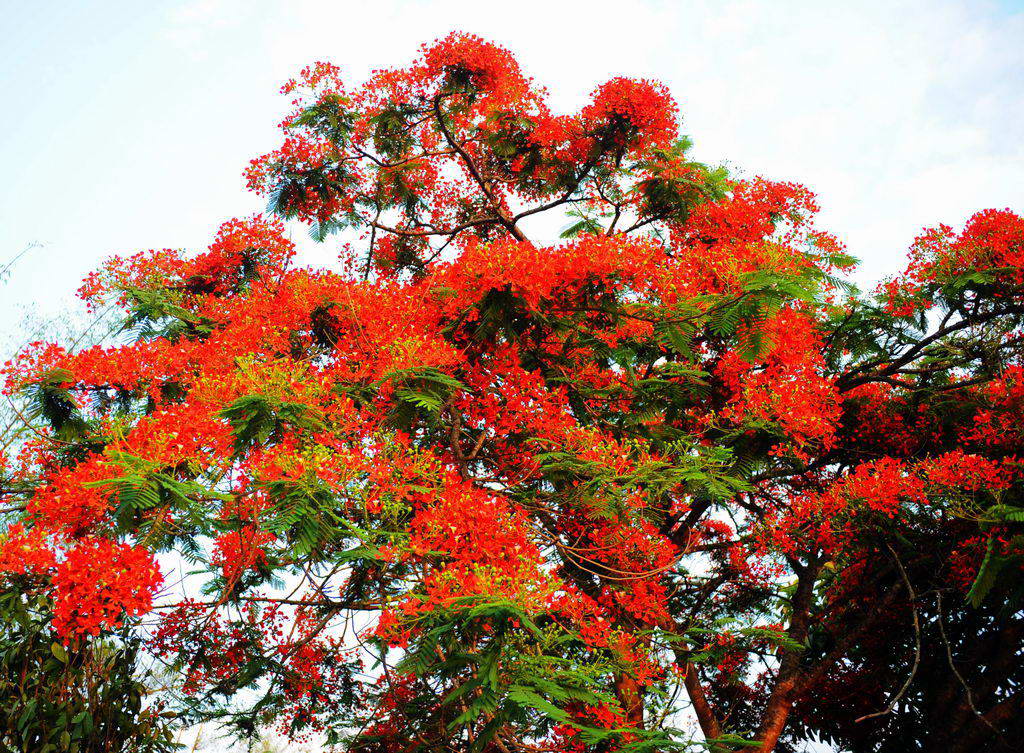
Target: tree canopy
580, 445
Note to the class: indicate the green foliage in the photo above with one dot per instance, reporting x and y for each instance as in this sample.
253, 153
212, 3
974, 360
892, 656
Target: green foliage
259, 419
676, 186
49, 400
1000, 567
517, 672
153, 314
329, 118
86, 697
141, 486
584, 224
709, 473
420, 393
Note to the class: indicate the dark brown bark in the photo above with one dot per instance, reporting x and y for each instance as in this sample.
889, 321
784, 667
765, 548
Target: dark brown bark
780, 702
706, 716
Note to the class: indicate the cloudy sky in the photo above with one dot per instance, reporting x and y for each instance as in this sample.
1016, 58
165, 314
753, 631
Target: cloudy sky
127, 125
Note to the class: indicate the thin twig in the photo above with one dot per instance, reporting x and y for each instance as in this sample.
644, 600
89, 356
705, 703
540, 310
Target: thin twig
952, 666
917, 644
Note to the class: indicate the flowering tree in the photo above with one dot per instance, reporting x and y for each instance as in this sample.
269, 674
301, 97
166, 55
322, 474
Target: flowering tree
87, 696
480, 488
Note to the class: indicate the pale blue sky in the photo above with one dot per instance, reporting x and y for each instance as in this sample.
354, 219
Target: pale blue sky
127, 124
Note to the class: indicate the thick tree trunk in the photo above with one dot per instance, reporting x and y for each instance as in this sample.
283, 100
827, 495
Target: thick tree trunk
705, 714
780, 703
631, 697
773, 723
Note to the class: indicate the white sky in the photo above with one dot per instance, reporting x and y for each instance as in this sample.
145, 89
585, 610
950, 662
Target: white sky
127, 125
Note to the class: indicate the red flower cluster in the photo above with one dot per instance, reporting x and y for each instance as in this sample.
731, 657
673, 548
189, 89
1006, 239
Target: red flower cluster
24, 551
991, 243
100, 581
637, 114
237, 551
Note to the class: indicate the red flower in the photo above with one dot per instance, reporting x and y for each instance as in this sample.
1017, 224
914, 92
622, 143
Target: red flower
99, 582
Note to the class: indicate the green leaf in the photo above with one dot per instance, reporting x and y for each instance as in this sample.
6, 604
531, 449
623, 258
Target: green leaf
988, 573
523, 696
